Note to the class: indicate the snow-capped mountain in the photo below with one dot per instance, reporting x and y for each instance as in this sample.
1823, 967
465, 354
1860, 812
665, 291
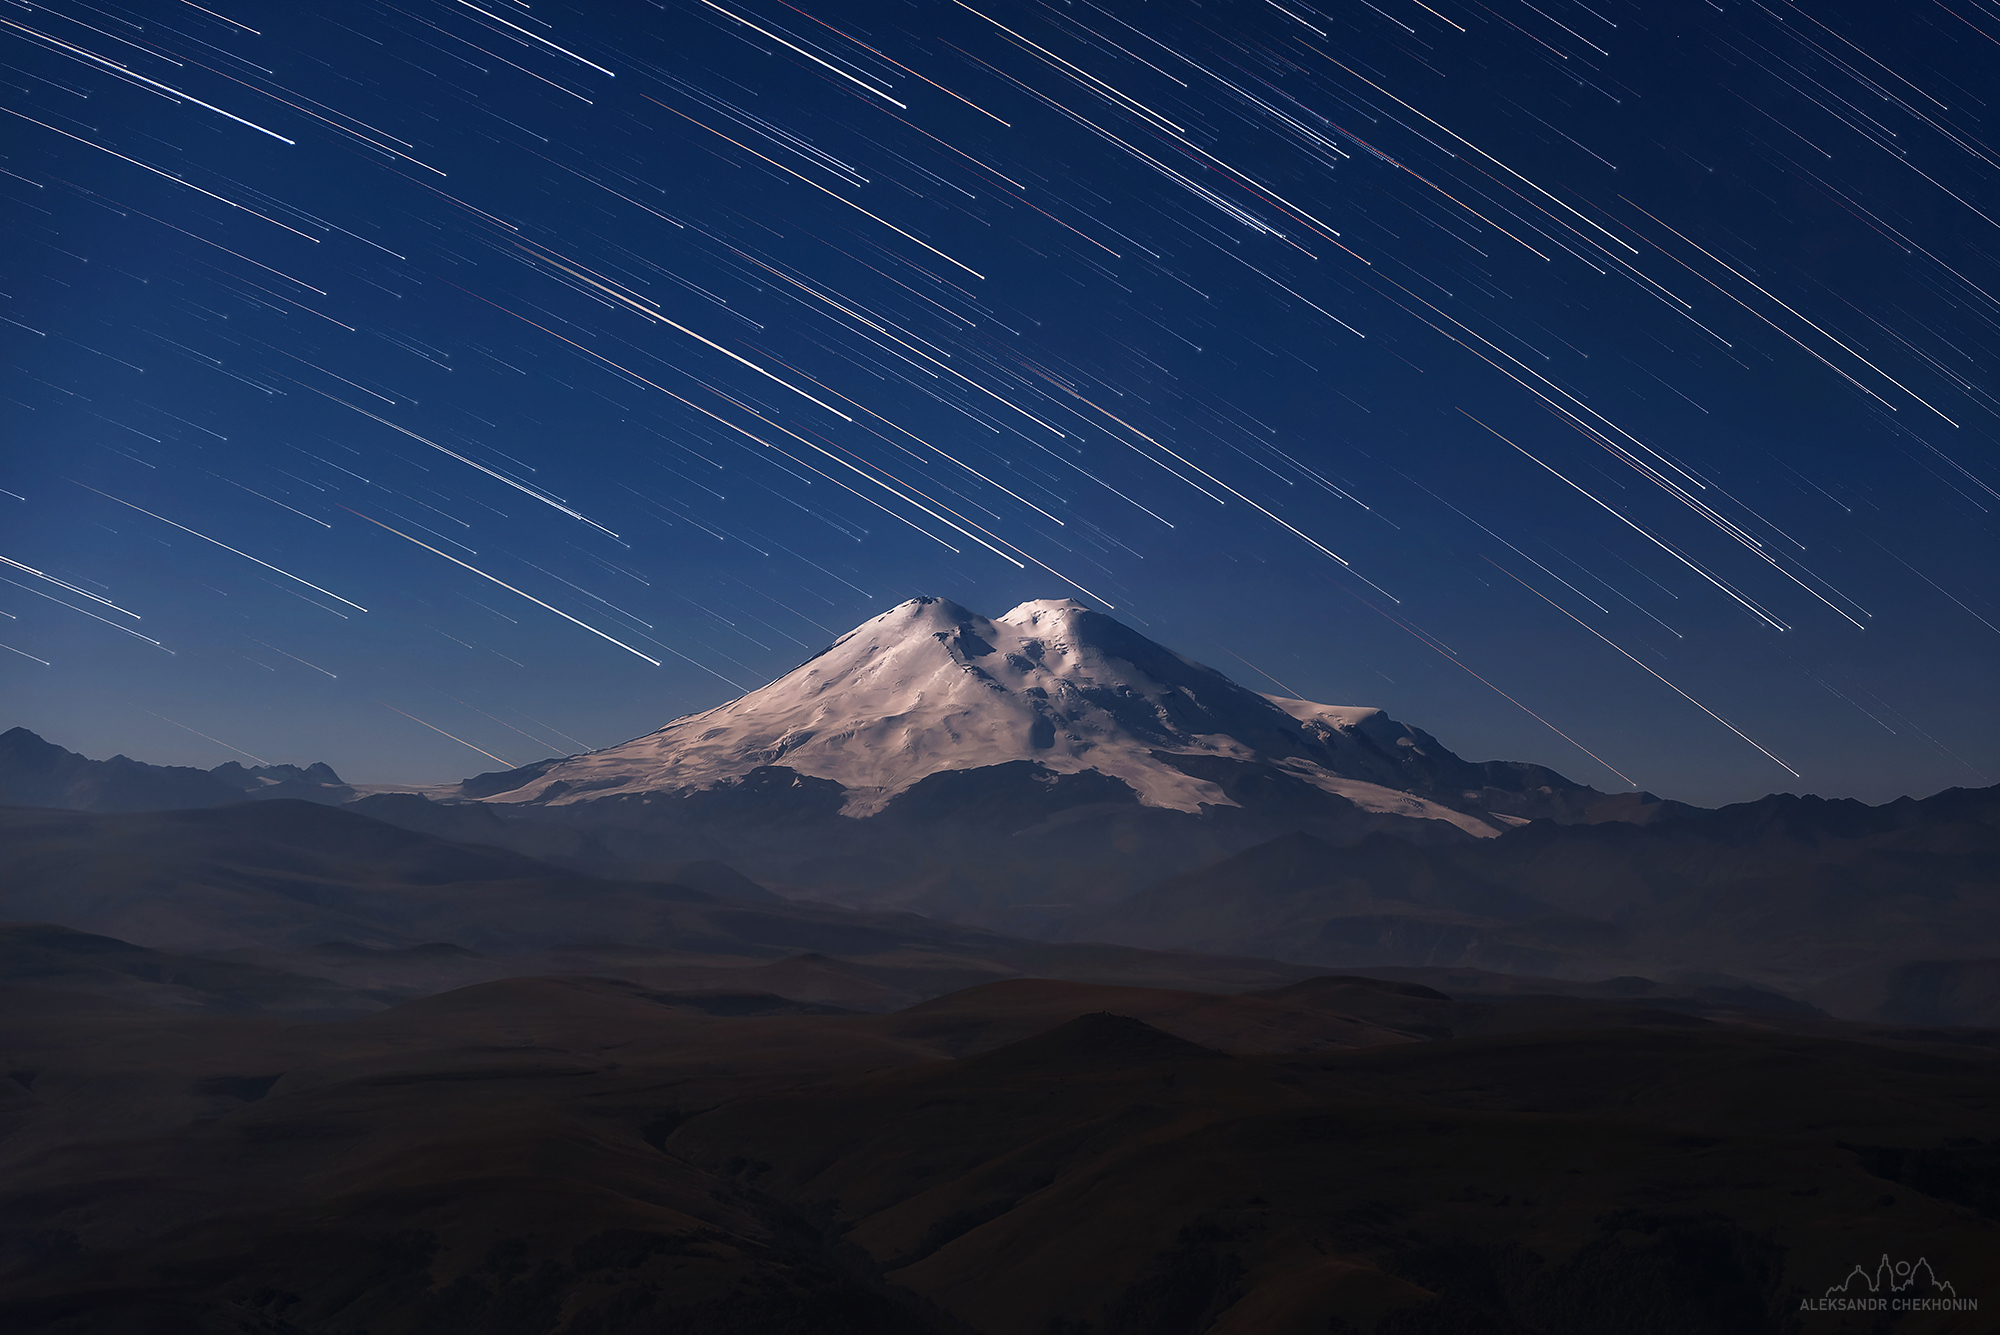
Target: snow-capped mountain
929, 688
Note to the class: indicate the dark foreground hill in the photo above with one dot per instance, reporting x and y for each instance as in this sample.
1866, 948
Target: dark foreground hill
573, 1156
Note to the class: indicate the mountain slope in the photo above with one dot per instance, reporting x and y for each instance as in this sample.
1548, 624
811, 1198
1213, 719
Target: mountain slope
929, 688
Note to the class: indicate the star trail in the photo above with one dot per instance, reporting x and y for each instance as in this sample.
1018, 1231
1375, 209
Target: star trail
1605, 385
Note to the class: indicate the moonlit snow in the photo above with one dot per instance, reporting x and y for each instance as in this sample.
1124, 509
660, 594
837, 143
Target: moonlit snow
930, 686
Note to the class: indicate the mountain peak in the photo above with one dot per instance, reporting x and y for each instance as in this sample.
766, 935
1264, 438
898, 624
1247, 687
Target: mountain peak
931, 688
926, 608
1036, 611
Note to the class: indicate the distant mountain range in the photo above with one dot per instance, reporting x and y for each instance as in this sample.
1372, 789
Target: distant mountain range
930, 708
1006, 772
1010, 772
36, 773
1054, 774
295, 895
1856, 908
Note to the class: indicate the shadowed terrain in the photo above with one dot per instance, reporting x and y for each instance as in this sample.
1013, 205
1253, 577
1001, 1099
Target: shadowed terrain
316, 890
1883, 912
1877, 913
1870, 912
584, 1155
276, 1067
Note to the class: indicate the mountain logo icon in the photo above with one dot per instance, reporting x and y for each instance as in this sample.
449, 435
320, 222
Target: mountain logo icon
1892, 1277
1893, 1286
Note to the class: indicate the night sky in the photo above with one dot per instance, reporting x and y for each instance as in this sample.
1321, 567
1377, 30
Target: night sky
431, 387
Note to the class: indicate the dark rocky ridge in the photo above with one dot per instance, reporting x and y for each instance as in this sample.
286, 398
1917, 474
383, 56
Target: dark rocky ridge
1891, 911
38, 773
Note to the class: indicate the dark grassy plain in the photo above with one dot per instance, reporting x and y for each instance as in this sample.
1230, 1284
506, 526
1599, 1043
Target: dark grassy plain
586, 1155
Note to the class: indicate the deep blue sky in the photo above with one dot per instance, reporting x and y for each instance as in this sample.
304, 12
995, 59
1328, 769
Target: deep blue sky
1415, 354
